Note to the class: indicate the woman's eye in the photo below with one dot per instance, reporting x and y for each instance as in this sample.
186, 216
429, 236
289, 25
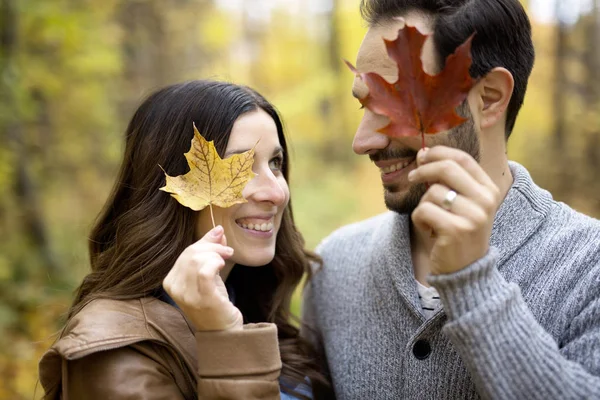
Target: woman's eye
276, 163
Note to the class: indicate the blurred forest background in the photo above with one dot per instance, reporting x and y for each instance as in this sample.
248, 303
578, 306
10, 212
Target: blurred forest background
73, 71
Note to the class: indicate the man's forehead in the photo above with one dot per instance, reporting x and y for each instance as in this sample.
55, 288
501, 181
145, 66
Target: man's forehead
372, 55
372, 48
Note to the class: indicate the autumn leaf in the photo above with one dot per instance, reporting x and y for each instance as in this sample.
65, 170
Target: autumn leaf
211, 180
418, 103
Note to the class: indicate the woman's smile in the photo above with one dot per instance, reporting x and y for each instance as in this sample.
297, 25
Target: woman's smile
257, 225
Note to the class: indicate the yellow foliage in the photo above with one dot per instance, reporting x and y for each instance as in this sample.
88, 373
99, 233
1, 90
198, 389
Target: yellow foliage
211, 180
80, 70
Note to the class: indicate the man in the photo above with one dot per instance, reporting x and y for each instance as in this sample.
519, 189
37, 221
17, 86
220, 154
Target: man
477, 284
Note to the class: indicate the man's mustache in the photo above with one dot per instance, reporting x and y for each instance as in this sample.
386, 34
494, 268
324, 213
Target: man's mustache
391, 154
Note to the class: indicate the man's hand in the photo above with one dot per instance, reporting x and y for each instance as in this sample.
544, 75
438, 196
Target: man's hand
462, 223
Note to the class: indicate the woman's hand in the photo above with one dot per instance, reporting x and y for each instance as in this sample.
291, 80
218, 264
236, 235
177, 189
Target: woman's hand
195, 285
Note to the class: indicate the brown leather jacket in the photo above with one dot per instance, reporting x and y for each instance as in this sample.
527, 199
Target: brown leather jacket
146, 349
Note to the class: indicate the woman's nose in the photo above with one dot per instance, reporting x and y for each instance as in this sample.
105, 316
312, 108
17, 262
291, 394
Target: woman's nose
267, 187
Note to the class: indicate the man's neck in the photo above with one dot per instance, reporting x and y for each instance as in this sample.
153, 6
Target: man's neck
421, 242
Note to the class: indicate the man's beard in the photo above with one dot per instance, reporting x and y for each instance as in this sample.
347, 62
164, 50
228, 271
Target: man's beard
463, 137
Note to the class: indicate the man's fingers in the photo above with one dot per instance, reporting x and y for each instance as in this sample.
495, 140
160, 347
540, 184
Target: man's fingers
465, 160
450, 174
461, 206
428, 216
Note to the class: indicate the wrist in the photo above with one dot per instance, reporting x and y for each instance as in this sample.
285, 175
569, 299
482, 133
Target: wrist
468, 288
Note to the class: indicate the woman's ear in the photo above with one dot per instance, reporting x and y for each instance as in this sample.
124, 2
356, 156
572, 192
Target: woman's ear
496, 89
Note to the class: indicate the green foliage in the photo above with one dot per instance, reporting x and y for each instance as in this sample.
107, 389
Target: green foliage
77, 69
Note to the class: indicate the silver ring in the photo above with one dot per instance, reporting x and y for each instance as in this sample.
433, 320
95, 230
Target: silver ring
449, 200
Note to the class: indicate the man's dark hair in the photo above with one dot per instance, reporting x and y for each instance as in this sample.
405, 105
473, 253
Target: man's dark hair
503, 36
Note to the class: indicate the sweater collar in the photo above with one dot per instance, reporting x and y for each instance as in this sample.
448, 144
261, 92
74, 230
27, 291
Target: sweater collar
523, 210
520, 215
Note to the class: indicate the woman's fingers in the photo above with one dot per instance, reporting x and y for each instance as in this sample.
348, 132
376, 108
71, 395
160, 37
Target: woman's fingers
206, 256
206, 248
195, 285
213, 241
215, 235
206, 274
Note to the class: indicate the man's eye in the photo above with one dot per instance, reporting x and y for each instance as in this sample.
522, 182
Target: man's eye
276, 163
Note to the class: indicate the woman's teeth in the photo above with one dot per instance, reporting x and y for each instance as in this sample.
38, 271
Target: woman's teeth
264, 227
395, 167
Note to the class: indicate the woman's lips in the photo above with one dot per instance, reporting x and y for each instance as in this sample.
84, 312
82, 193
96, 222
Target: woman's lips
257, 226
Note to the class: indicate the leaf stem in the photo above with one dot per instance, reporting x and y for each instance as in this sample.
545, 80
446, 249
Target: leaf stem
432, 233
212, 216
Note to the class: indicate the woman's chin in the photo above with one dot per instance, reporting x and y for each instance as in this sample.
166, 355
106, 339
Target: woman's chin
255, 259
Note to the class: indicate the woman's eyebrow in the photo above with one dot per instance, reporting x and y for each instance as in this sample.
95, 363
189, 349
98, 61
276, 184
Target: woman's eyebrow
276, 151
232, 152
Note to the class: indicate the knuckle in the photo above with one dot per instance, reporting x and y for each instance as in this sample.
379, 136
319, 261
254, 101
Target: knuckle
469, 227
437, 188
199, 259
204, 274
426, 197
463, 158
418, 212
479, 217
488, 200
188, 299
449, 168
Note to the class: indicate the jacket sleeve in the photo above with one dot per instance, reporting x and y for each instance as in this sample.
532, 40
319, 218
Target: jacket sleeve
232, 365
122, 373
507, 352
242, 364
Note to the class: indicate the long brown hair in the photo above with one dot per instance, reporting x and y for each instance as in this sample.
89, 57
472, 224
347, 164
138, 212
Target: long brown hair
141, 231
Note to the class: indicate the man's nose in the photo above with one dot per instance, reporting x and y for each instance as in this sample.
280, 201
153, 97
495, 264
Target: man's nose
367, 140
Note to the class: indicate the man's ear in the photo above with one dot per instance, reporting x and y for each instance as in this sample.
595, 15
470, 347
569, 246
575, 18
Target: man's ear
495, 91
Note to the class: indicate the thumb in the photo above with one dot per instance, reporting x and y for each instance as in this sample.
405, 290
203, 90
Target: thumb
215, 235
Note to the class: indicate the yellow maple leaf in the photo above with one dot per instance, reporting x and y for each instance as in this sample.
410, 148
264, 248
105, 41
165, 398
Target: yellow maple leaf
211, 180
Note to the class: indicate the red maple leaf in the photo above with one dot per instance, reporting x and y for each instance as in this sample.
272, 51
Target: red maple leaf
419, 103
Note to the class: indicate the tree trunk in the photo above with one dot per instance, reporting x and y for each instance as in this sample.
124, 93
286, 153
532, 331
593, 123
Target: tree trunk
146, 59
25, 190
560, 87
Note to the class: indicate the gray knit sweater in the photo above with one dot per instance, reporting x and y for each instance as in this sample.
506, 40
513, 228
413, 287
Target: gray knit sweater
521, 323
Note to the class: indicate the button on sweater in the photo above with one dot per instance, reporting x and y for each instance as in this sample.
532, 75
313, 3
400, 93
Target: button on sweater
523, 322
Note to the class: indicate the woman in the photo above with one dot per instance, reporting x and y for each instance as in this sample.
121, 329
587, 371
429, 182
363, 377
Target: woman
162, 314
